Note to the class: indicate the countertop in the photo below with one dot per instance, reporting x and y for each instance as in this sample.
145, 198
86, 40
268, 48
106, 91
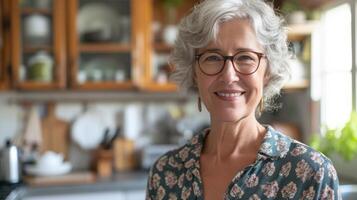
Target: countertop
118, 182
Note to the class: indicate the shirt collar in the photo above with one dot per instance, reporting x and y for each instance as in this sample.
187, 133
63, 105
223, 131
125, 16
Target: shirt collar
275, 144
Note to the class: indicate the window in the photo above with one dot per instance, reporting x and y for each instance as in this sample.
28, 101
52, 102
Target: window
336, 65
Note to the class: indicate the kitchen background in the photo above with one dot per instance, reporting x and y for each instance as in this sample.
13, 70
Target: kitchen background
86, 98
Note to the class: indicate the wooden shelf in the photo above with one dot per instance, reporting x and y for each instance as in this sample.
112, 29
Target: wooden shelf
297, 32
29, 11
159, 87
91, 96
36, 48
302, 85
105, 47
108, 85
36, 85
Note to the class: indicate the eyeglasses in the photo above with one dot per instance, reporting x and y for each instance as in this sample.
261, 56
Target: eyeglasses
245, 62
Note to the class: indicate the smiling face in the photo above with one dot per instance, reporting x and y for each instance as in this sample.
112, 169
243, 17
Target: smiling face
229, 95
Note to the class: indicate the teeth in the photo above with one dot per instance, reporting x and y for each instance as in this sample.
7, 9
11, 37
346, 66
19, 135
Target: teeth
228, 94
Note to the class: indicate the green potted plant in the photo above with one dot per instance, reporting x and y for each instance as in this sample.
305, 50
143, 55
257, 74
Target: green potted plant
340, 145
294, 12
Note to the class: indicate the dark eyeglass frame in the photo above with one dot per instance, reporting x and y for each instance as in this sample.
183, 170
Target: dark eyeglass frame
260, 56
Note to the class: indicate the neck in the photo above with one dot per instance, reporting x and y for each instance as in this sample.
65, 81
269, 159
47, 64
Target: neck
229, 140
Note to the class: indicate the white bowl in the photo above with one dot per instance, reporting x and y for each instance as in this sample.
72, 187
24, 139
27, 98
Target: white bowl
41, 170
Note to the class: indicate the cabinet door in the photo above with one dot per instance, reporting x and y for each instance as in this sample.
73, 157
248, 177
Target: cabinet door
164, 28
4, 44
103, 44
38, 44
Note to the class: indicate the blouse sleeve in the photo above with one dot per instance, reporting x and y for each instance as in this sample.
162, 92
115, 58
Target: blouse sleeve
149, 189
329, 186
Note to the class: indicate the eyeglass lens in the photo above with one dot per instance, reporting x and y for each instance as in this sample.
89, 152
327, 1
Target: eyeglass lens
243, 62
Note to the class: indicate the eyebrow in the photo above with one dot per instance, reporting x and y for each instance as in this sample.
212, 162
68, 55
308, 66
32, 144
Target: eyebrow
220, 50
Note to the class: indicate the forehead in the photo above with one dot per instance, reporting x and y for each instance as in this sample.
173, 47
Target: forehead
235, 34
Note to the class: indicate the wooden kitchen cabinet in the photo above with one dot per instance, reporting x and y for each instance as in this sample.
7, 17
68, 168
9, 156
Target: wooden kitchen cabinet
108, 44
38, 54
4, 43
93, 45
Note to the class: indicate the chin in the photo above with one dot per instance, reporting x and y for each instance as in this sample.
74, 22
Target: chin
229, 115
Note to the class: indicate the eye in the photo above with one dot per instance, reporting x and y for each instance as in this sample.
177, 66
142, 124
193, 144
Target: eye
244, 58
211, 57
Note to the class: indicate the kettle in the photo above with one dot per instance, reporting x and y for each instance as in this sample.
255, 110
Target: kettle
10, 169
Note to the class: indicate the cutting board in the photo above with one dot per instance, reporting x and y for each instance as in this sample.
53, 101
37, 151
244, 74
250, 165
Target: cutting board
67, 179
55, 133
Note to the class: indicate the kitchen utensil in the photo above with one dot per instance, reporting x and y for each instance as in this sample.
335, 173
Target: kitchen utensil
55, 133
132, 118
104, 162
50, 159
49, 164
88, 129
33, 133
104, 25
48, 171
104, 69
10, 163
36, 28
124, 154
170, 34
108, 139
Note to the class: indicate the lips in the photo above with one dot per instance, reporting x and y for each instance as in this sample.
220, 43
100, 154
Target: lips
229, 94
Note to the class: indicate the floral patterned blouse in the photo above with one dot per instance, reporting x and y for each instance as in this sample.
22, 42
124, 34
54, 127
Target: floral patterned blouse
284, 169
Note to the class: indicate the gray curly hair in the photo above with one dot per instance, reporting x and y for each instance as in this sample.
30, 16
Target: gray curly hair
201, 26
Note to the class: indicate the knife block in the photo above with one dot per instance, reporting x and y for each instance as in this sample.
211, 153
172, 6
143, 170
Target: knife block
104, 162
124, 155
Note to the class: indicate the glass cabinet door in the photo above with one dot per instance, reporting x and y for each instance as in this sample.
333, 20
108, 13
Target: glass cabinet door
38, 44
164, 22
101, 44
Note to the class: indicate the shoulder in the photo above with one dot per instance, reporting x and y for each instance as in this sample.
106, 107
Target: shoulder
314, 171
307, 164
299, 153
303, 154
310, 167
180, 158
307, 170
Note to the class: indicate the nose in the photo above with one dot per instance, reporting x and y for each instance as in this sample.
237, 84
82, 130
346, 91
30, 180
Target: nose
229, 74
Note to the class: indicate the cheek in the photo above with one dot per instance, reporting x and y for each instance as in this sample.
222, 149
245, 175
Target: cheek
203, 84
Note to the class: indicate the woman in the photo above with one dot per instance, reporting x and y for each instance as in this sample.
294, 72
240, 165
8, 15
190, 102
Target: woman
234, 53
